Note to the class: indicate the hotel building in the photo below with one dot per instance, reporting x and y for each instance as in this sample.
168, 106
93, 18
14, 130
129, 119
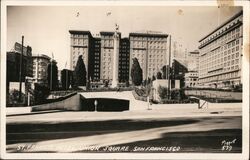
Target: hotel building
80, 45
99, 54
220, 55
151, 51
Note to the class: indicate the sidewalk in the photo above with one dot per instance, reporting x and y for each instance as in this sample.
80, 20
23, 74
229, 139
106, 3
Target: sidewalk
156, 111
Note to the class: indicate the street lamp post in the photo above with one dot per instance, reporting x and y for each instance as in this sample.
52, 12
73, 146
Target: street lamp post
95, 103
169, 64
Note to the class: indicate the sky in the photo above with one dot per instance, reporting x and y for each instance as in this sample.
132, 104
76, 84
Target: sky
46, 28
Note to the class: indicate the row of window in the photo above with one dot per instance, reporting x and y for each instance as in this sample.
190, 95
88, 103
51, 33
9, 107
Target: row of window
79, 36
227, 67
147, 39
220, 77
80, 42
191, 79
223, 41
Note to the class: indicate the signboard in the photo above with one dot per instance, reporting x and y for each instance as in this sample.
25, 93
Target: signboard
18, 48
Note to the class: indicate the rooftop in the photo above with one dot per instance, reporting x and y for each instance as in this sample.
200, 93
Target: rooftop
223, 24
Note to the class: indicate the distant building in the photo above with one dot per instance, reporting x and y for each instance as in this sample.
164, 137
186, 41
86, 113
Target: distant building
221, 55
107, 54
80, 45
66, 78
99, 53
191, 79
13, 74
178, 73
40, 67
151, 50
13, 63
193, 60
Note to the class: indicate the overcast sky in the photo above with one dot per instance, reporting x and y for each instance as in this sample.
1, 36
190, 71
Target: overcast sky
45, 29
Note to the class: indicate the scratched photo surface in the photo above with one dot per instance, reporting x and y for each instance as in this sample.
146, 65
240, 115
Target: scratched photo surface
124, 79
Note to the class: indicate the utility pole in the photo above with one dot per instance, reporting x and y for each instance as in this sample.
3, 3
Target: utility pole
66, 88
20, 72
51, 72
169, 64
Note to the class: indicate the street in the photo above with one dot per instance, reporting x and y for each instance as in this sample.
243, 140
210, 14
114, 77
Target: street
169, 129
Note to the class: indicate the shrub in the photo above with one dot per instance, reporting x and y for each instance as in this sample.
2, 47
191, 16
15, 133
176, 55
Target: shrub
40, 94
163, 92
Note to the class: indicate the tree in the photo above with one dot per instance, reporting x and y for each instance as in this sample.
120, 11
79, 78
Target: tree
54, 84
149, 80
159, 75
164, 72
106, 83
40, 93
80, 72
136, 72
153, 78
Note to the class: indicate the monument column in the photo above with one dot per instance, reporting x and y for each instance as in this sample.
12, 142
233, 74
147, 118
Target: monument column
115, 58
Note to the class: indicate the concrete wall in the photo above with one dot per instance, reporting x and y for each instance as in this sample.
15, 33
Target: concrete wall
215, 94
72, 104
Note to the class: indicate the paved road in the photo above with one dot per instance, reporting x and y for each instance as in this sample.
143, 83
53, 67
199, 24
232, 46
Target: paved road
200, 134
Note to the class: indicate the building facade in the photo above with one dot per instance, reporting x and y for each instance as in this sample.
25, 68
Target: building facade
151, 51
107, 55
191, 79
14, 60
80, 45
220, 55
40, 67
193, 60
99, 53
178, 72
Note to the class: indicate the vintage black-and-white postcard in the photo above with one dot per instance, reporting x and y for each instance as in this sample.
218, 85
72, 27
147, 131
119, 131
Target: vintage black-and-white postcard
124, 79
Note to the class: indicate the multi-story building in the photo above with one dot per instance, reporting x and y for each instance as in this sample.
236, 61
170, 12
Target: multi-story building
13, 63
178, 72
191, 79
221, 54
193, 60
124, 58
107, 50
80, 45
151, 51
99, 53
40, 66
107, 54
16, 59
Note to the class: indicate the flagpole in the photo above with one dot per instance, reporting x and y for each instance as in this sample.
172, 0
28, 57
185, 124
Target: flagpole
169, 70
66, 76
20, 72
